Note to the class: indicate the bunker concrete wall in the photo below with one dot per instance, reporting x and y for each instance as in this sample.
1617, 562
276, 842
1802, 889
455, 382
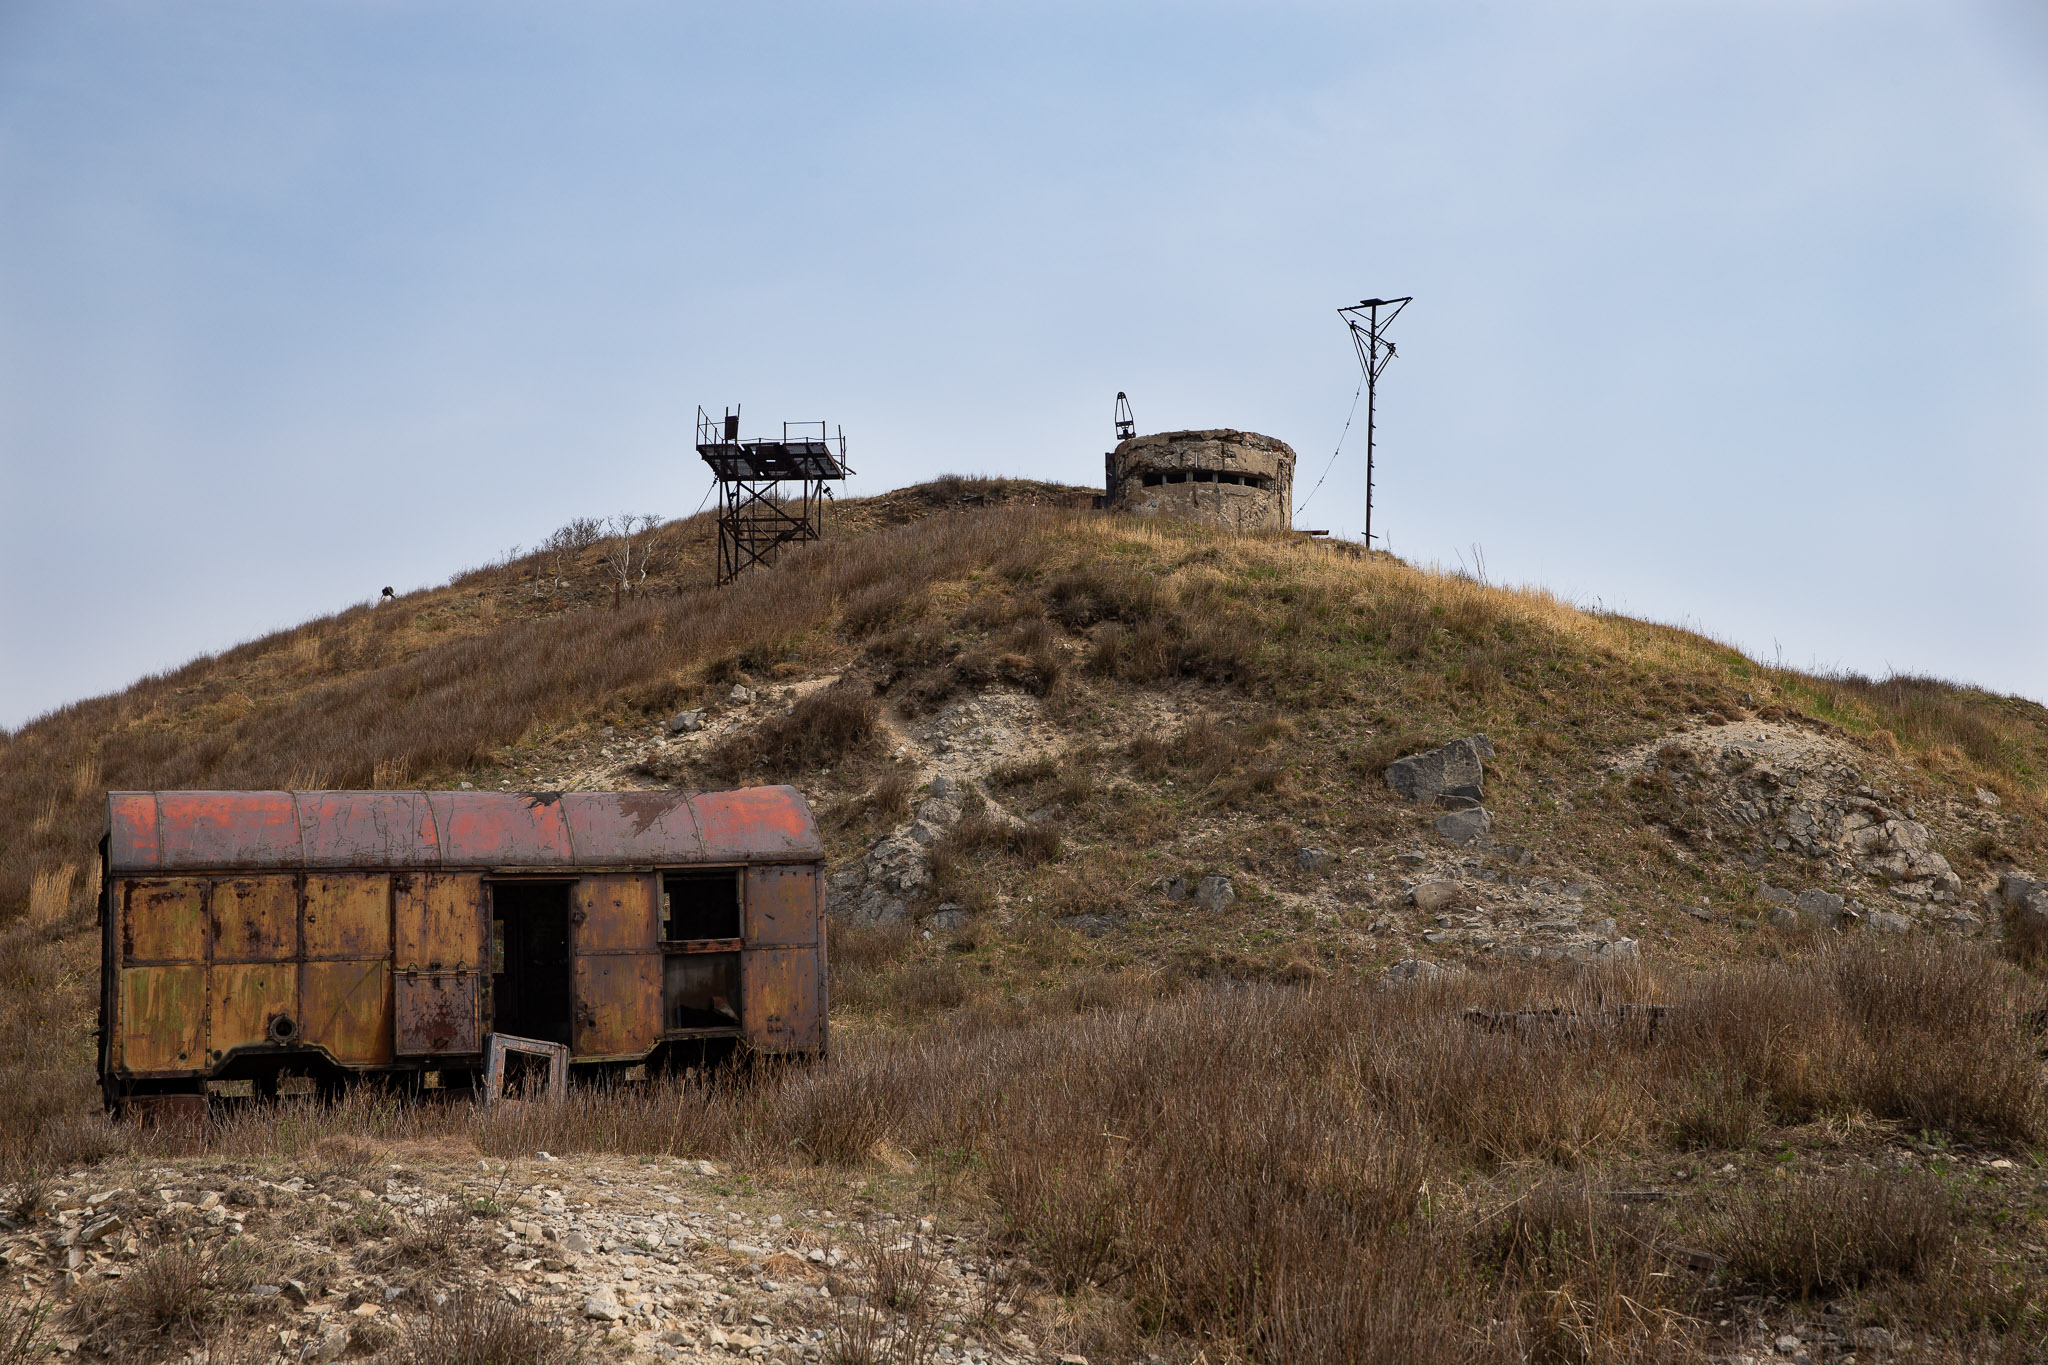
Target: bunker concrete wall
1238, 480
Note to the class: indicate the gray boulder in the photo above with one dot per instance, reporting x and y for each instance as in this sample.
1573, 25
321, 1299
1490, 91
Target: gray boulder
1453, 771
686, 722
1822, 907
1095, 926
1888, 922
1464, 827
2015, 890
1214, 893
1433, 896
1419, 969
1313, 859
948, 916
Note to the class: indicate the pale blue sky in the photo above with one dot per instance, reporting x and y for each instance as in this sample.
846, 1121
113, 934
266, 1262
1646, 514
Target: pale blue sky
1727, 313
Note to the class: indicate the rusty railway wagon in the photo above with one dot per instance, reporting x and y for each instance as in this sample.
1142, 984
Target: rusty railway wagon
258, 941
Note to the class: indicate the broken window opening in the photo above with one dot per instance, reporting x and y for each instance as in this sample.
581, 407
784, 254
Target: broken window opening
700, 990
700, 905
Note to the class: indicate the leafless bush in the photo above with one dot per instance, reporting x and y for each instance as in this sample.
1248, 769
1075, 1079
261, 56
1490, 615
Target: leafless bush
22, 1323
479, 1329
889, 1318
180, 1292
819, 730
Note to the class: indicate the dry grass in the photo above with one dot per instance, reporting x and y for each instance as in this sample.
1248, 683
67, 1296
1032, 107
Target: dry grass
479, 1329
182, 1292
1830, 1233
818, 731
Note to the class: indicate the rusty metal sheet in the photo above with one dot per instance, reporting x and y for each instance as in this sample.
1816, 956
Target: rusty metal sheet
348, 914
255, 919
228, 829
645, 827
368, 829
618, 1005
615, 913
435, 1014
163, 1018
256, 831
346, 1007
131, 831
164, 920
779, 990
781, 906
437, 921
437, 960
496, 829
757, 824
246, 997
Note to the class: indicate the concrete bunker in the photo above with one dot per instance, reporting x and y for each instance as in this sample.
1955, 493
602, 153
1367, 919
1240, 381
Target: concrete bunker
1238, 480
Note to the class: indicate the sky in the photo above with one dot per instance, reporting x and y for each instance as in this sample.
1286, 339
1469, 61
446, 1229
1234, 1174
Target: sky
1731, 314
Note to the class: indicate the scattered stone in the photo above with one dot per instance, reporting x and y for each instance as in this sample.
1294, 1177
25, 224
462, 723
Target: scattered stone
1887, 922
1179, 889
1095, 926
685, 722
602, 1307
946, 917
1214, 893
1454, 770
1777, 895
1619, 950
1431, 897
1313, 859
740, 694
1987, 797
1418, 969
1822, 907
1871, 1339
1464, 827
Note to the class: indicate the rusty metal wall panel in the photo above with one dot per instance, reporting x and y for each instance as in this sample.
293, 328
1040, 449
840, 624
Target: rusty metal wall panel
346, 1007
348, 915
164, 920
163, 1018
782, 906
435, 1014
228, 829
437, 921
368, 829
779, 988
615, 913
255, 919
131, 831
618, 1005
438, 939
246, 997
757, 823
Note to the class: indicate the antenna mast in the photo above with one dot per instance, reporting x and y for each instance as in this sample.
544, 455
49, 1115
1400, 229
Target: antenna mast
1368, 335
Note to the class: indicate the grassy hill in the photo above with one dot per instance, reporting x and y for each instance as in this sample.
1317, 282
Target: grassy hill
1042, 740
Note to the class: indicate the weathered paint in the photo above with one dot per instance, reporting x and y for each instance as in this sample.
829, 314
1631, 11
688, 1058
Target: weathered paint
781, 906
164, 920
348, 915
780, 990
438, 938
386, 831
246, 996
616, 983
163, 1018
617, 1005
347, 1008
355, 924
255, 919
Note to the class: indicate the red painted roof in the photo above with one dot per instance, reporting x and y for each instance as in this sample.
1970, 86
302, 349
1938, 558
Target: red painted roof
195, 830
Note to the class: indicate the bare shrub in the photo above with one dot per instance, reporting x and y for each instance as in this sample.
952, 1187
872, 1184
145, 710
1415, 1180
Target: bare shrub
481, 1329
181, 1292
888, 1318
1832, 1232
819, 730
22, 1326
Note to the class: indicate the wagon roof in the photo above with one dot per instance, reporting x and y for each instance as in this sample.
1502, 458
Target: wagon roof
192, 830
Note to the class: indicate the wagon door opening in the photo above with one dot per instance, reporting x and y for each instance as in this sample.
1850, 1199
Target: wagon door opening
700, 940
530, 961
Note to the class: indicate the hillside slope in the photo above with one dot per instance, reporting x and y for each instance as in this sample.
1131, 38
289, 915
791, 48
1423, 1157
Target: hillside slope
1076, 769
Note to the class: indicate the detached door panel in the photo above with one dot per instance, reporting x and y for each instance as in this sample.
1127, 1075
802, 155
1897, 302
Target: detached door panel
438, 941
